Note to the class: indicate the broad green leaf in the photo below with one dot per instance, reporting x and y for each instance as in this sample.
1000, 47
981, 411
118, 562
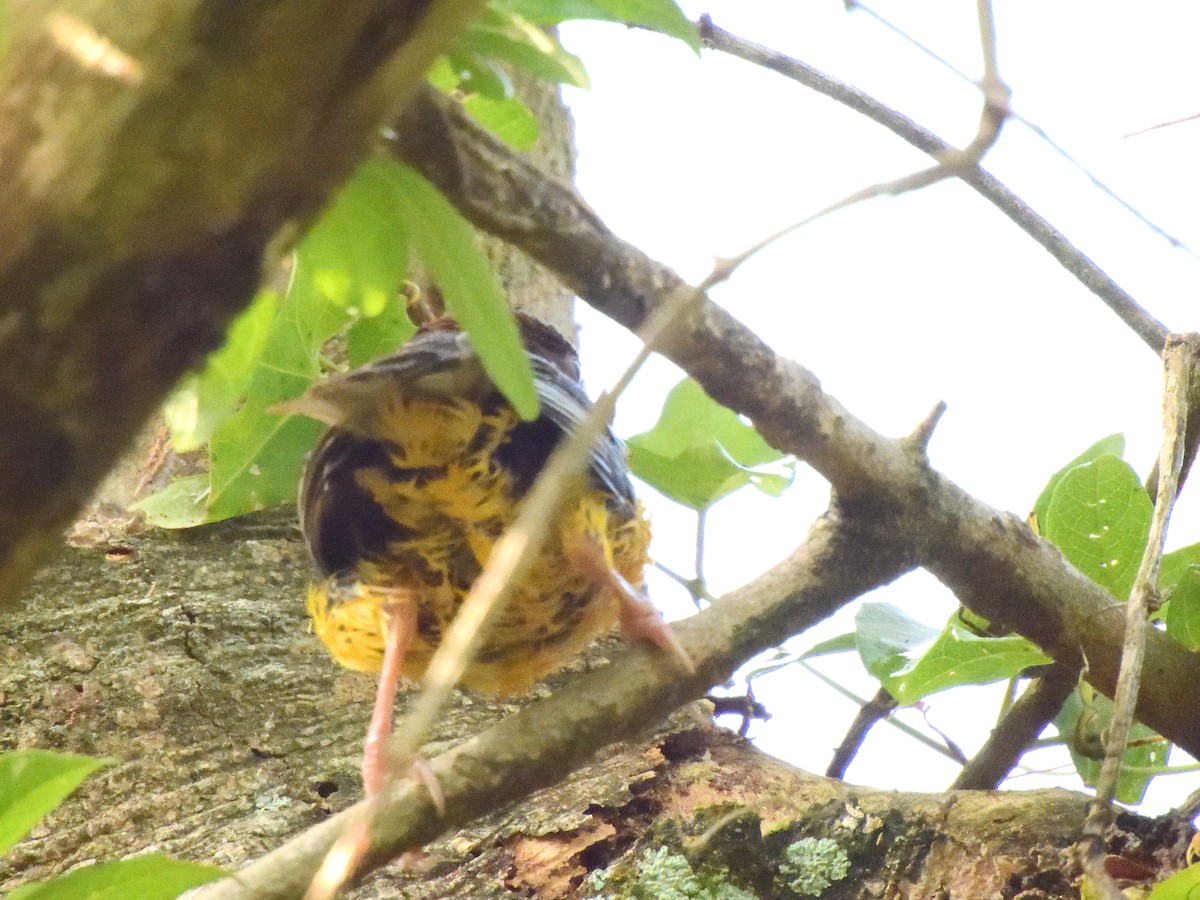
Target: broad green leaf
959, 657
371, 338
356, 255
700, 451
181, 504
1175, 563
510, 120
204, 400
843, 643
889, 640
446, 243
149, 877
1099, 517
502, 34
1183, 610
1084, 721
659, 15
1113, 445
34, 782
1183, 885
256, 457
473, 74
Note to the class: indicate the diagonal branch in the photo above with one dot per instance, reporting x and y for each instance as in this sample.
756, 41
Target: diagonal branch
548, 740
992, 560
1144, 325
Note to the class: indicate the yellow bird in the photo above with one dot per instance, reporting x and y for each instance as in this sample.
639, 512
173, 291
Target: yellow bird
404, 498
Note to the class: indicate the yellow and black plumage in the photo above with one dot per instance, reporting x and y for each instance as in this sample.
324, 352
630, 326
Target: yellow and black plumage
419, 475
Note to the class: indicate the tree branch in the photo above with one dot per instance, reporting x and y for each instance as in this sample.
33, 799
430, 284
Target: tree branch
149, 160
1019, 728
991, 560
1152, 332
543, 743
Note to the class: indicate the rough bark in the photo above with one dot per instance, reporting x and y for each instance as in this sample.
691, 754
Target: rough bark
152, 160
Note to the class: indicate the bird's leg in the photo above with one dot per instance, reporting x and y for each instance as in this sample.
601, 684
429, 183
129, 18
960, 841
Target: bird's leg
399, 625
640, 619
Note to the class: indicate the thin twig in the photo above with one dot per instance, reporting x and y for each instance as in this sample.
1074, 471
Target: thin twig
881, 706
1145, 326
1039, 131
1178, 356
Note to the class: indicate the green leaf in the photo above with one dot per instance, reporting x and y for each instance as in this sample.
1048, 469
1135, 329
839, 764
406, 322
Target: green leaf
959, 657
510, 120
843, 643
473, 74
206, 399
1183, 885
356, 255
376, 336
1084, 721
889, 640
502, 34
1183, 610
658, 15
1175, 563
1099, 517
473, 295
1113, 445
149, 877
181, 504
34, 782
256, 458
700, 451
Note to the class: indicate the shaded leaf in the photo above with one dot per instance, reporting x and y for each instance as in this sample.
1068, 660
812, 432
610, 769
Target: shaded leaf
149, 877
1099, 516
700, 451
1084, 721
959, 657
34, 782
1183, 610
889, 640
181, 504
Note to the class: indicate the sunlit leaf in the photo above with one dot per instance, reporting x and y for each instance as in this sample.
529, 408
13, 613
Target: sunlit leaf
1113, 445
510, 120
500, 33
149, 877
206, 399
34, 782
1184, 885
1099, 516
659, 15
700, 451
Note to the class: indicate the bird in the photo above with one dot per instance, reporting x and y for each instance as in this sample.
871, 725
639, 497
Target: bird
421, 470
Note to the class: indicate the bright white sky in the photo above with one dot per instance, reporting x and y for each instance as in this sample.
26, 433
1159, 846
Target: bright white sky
902, 302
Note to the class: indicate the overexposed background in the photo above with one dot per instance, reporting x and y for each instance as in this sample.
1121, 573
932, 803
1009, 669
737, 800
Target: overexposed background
901, 302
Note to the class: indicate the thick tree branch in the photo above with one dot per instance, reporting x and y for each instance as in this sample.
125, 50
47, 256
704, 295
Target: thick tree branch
535, 749
990, 559
152, 161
